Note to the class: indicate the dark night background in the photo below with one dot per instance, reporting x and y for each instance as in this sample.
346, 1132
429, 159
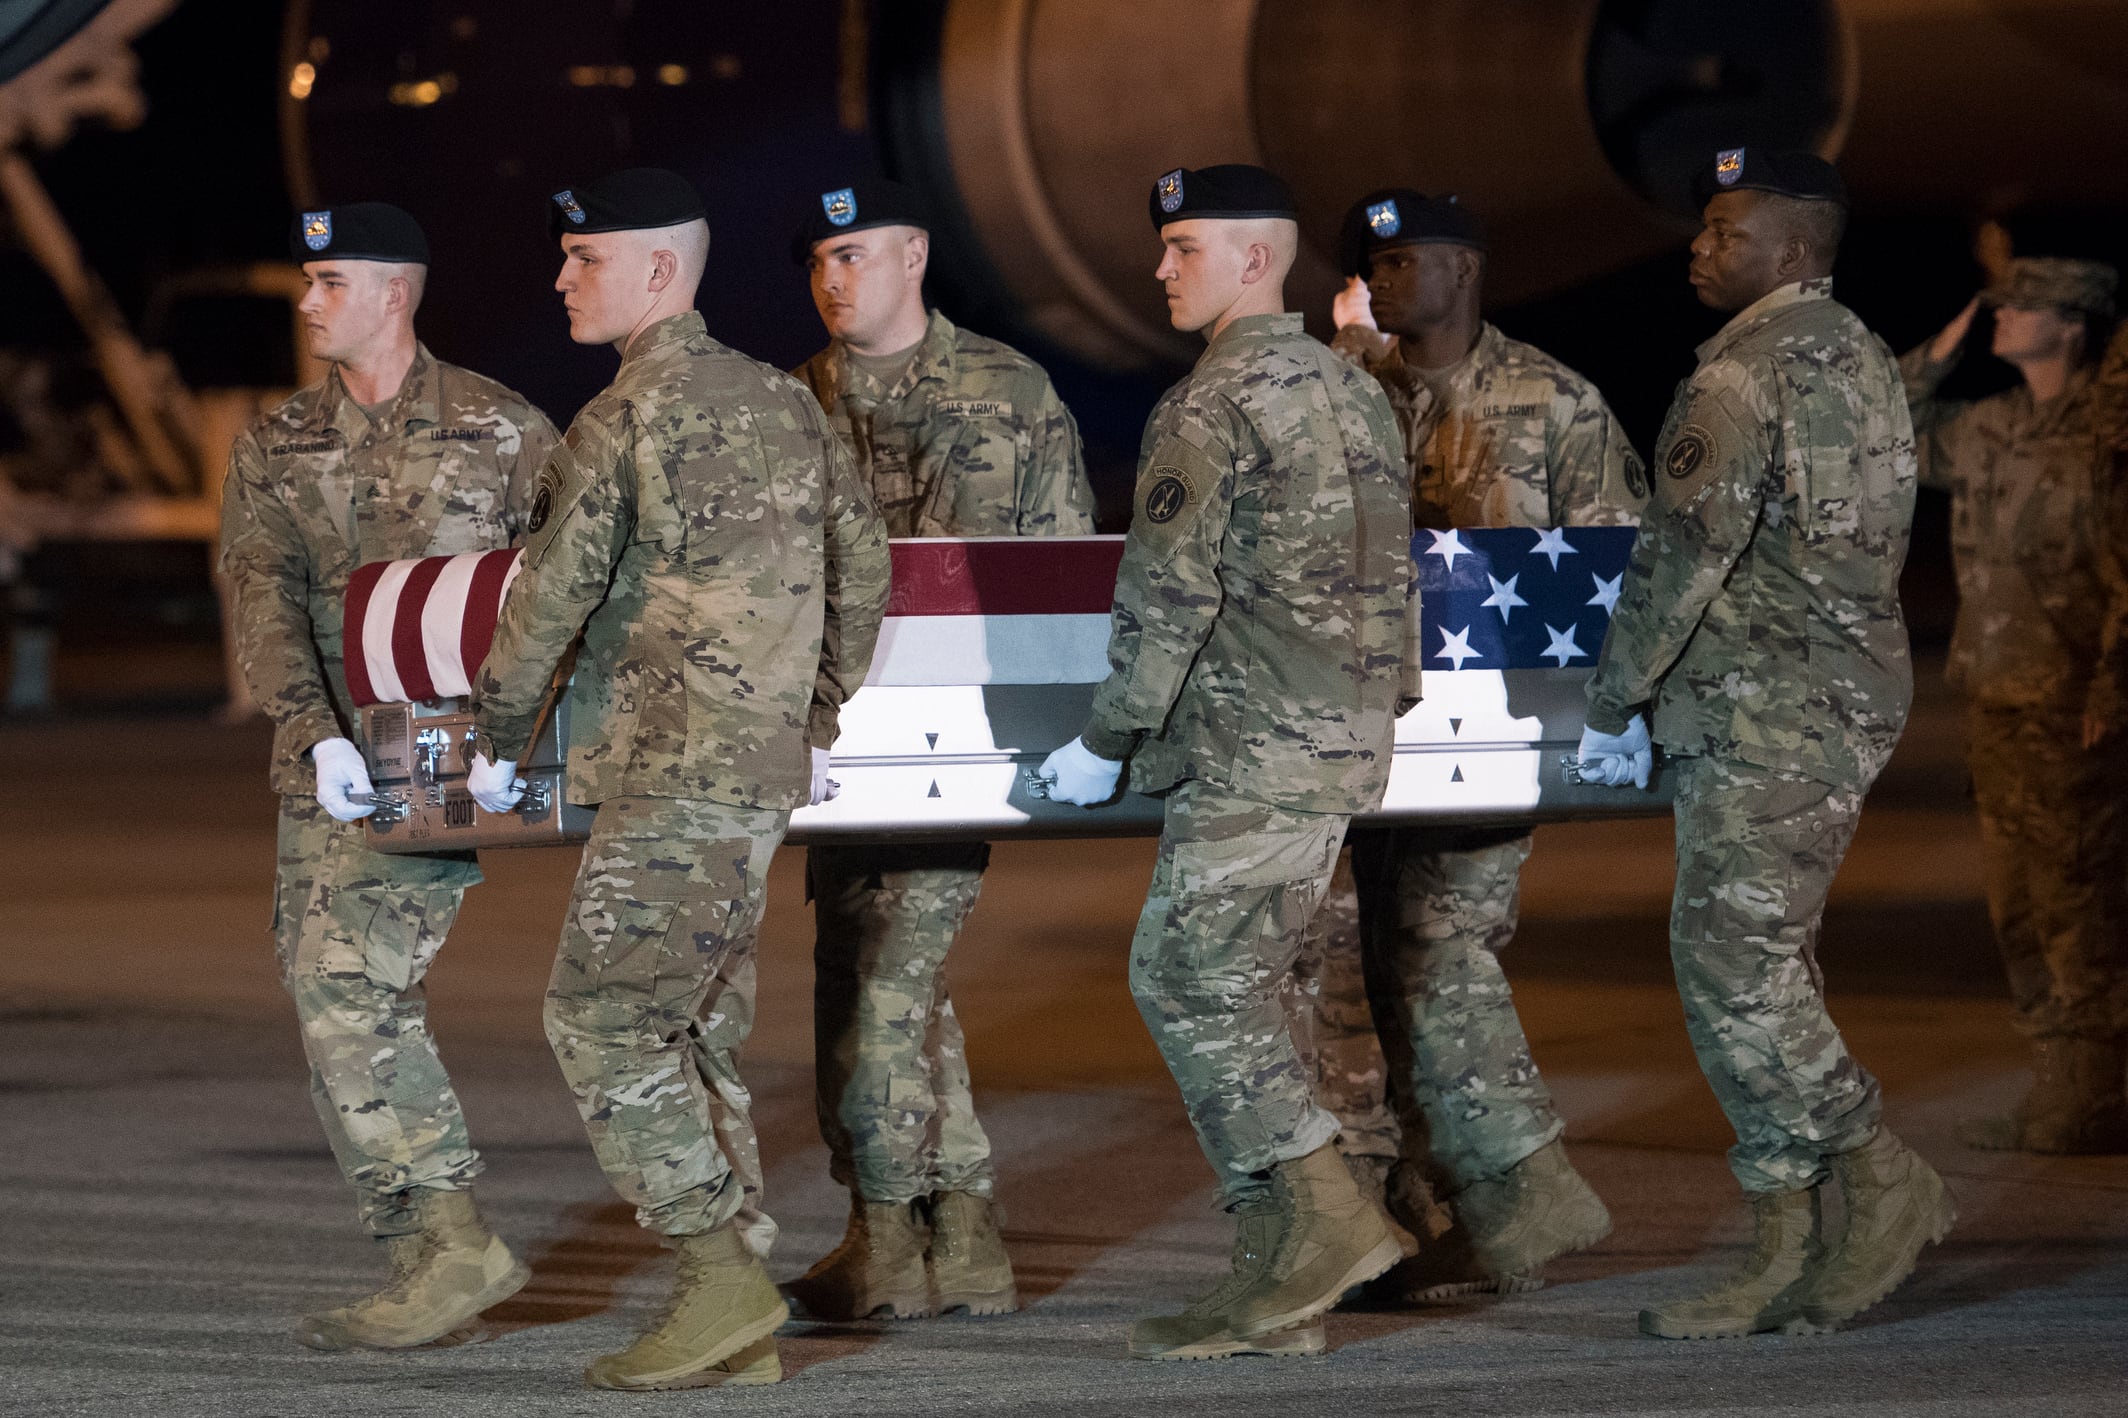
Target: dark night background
206, 180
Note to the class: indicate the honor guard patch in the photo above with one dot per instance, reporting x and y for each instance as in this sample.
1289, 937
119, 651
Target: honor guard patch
1688, 451
317, 230
566, 200
840, 205
1729, 166
1384, 220
1171, 197
1170, 493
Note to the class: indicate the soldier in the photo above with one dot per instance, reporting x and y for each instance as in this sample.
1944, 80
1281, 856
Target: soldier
394, 454
1760, 615
958, 436
711, 540
2036, 555
1496, 434
1260, 647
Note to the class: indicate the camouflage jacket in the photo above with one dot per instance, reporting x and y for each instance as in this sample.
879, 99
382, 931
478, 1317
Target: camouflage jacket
1514, 438
1266, 616
315, 489
711, 540
970, 442
1761, 608
2039, 586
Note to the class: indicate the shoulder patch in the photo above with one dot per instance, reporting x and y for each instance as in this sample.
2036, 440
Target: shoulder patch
1171, 489
1689, 451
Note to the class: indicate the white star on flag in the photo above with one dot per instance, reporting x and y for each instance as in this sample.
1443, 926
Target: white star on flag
1551, 542
1503, 596
1455, 647
1448, 546
1607, 592
1562, 647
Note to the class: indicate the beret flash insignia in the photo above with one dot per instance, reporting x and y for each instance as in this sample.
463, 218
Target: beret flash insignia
1170, 189
840, 205
566, 200
1384, 220
317, 230
1729, 166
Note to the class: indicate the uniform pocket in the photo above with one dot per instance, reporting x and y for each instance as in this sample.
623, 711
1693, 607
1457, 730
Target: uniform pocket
1256, 859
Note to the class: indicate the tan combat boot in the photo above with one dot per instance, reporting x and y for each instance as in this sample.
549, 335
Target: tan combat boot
718, 1328
442, 1277
2076, 1105
1309, 1238
1896, 1204
1763, 1294
1506, 1229
969, 1268
879, 1266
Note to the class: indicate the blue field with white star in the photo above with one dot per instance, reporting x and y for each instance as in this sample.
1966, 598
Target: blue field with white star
1516, 598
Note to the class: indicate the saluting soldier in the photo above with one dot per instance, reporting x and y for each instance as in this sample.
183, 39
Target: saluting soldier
2038, 651
1760, 619
1496, 434
709, 538
1260, 648
394, 454
958, 436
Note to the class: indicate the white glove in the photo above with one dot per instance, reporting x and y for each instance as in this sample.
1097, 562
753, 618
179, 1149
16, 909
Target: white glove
495, 786
341, 774
1075, 774
825, 789
1617, 759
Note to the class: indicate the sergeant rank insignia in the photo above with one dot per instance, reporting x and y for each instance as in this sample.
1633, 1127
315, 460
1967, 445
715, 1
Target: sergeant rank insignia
1384, 220
1729, 166
317, 230
566, 200
840, 205
1170, 189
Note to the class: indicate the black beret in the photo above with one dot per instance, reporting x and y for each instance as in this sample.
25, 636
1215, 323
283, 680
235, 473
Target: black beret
359, 231
1398, 216
1785, 172
861, 205
633, 199
1231, 190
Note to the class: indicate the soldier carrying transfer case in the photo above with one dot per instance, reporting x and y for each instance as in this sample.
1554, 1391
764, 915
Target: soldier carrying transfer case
2038, 653
1496, 434
708, 535
958, 436
396, 454
1760, 615
1261, 644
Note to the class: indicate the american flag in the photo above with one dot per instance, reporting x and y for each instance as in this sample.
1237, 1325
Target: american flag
1518, 598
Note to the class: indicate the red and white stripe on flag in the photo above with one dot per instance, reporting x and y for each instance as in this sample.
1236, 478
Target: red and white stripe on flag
419, 629
985, 610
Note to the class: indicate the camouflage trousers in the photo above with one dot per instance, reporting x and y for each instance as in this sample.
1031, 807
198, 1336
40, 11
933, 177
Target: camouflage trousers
652, 997
1756, 853
1429, 913
1333, 1024
1232, 891
890, 1066
354, 932
2054, 834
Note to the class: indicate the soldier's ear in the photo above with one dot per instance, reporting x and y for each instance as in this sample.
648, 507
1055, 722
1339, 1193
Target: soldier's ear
1469, 266
917, 259
664, 266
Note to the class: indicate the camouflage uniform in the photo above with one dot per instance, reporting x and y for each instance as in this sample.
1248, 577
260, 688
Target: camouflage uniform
1264, 627
971, 441
2040, 595
1508, 437
315, 489
1761, 614
710, 538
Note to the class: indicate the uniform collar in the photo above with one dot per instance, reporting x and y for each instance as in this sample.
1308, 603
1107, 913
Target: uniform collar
935, 358
1257, 327
1763, 310
2063, 410
418, 402
687, 325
